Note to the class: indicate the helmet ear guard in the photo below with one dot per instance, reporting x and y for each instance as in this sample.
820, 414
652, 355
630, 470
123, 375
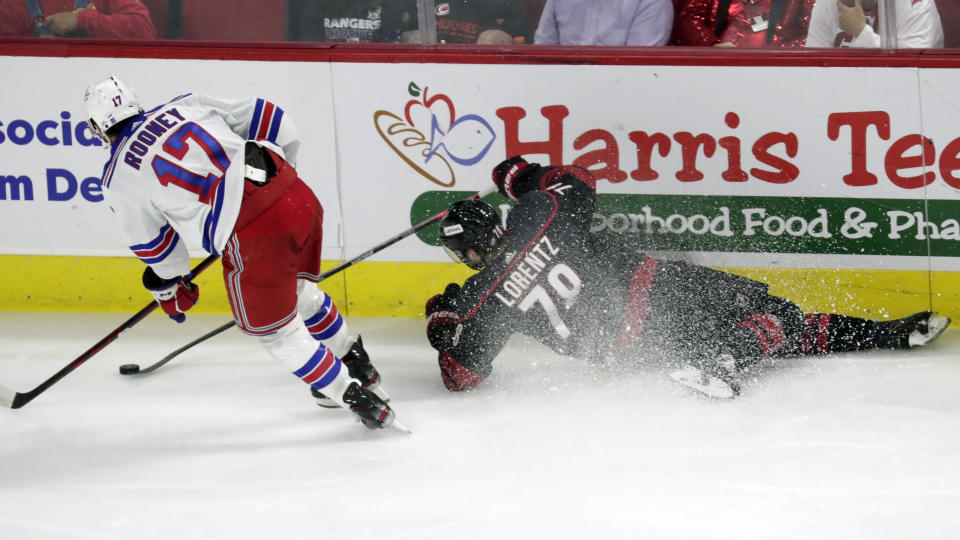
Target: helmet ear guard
107, 103
471, 233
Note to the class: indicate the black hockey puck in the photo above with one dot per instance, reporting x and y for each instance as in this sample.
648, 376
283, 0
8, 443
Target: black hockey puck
129, 369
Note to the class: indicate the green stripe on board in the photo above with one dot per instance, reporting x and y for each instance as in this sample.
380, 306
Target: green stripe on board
736, 224
399, 289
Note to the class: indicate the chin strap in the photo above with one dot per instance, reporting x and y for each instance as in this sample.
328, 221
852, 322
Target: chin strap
254, 174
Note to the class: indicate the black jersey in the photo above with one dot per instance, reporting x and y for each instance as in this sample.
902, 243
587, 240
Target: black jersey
585, 296
588, 297
557, 283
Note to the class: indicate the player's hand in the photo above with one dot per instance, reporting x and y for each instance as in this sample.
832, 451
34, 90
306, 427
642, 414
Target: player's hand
62, 24
175, 296
442, 319
506, 173
850, 18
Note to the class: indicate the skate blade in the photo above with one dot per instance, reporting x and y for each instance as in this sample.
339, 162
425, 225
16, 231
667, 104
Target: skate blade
328, 404
935, 327
401, 427
708, 385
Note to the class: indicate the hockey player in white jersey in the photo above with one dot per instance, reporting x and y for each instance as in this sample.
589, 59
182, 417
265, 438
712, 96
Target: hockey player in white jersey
219, 174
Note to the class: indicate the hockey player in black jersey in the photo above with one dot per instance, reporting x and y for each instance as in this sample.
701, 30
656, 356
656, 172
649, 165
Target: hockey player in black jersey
546, 276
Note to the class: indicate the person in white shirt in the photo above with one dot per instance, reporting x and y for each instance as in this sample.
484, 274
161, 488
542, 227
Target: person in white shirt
854, 23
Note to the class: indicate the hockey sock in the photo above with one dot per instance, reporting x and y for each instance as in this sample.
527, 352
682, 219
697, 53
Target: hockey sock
828, 332
323, 319
308, 359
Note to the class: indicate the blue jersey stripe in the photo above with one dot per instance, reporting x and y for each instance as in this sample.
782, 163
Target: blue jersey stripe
255, 121
166, 253
153, 243
275, 125
213, 220
111, 165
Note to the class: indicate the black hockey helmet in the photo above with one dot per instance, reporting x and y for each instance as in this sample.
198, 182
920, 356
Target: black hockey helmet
472, 234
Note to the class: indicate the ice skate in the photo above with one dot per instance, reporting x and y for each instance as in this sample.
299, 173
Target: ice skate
713, 378
360, 368
929, 331
914, 330
372, 411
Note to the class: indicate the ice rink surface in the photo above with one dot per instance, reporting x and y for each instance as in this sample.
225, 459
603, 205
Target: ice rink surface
223, 443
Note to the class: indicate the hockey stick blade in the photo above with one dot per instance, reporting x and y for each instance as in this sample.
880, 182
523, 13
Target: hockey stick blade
8, 397
401, 427
15, 400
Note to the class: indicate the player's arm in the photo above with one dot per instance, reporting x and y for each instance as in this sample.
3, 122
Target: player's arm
463, 365
155, 242
515, 177
257, 119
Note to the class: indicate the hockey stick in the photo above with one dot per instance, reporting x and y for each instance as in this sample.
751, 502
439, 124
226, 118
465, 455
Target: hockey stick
134, 369
15, 400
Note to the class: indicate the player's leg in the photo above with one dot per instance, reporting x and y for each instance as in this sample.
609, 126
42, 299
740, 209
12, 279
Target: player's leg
723, 324
266, 308
772, 327
262, 262
325, 324
828, 332
324, 372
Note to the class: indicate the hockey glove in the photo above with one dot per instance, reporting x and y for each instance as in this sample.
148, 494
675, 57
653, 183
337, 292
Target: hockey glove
506, 174
175, 296
442, 319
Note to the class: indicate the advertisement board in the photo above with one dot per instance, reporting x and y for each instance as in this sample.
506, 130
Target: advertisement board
777, 167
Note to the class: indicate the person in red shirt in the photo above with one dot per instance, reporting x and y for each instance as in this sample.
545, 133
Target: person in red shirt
742, 23
110, 19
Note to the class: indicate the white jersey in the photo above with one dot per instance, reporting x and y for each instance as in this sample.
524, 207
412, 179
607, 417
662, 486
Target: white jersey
175, 176
918, 26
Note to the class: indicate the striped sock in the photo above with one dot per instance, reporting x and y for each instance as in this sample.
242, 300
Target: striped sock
321, 369
326, 322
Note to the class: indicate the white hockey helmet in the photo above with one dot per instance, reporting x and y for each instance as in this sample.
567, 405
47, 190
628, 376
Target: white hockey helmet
108, 103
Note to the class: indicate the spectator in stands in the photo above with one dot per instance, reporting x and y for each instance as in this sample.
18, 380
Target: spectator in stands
853, 23
110, 19
487, 22
333, 20
743, 23
605, 22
